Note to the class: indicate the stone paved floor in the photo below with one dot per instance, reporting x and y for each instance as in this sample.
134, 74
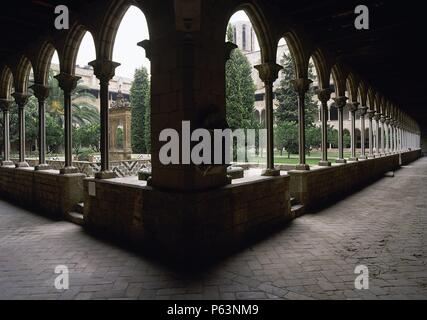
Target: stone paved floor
383, 226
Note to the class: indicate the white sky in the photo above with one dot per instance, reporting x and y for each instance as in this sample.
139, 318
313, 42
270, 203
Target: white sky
133, 29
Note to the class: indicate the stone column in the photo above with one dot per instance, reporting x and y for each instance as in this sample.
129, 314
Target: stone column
104, 70
5, 106
68, 83
324, 96
268, 73
340, 103
388, 137
363, 111
377, 119
371, 138
21, 100
301, 87
382, 120
353, 108
41, 92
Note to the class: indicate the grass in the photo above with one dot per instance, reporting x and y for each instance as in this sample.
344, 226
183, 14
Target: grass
312, 159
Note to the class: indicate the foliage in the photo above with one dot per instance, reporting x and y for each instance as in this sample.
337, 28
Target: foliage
286, 137
140, 102
240, 92
287, 109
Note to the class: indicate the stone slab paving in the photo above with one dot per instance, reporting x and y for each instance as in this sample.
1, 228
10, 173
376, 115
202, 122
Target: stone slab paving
383, 226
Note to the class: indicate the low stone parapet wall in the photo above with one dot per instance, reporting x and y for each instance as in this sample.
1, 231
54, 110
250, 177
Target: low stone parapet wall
187, 223
46, 191
410, 156
323, 185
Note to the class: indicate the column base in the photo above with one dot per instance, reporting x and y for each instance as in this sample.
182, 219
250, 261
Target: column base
23, 164
340, 161
302, 167
69, 170
43, 166
270, 173
371, 156
363, 157
7, 164
355, 159
105, 175
324, 163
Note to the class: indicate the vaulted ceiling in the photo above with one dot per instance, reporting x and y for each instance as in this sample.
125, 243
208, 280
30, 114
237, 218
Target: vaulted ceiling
390, 55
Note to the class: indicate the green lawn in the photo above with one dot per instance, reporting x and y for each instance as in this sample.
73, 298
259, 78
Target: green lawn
312, 159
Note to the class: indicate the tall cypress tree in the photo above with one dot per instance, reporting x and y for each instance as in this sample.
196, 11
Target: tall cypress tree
287, 97
139, 99
240, 89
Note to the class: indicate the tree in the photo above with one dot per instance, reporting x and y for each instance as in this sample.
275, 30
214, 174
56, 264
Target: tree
287, 97
240, 92
86, 136
82, 103
286, 137
140, 101
313, 138
147, 128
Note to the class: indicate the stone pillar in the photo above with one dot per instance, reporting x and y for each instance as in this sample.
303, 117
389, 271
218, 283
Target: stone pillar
324, 96
387, 136
371, 138
340, 103
363, 111
353, 108
301, 87
382, 143
5, 106
104, 70
377, 136
68, 83
21, 100
268, 73
41, 92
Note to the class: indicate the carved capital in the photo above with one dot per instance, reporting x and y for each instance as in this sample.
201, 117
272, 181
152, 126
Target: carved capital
301, 85
229, 47
104, 70
21, 99
371, 114
340, 102
363, 111
146, 45
67, 82
382, 119
41, 92
5, 104
353, 106
324, 95
268, 72
387, 121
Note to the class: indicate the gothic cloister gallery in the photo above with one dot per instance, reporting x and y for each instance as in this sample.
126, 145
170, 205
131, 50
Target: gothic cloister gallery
195, 212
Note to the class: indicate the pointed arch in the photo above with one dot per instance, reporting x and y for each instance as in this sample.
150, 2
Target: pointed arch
339, 75
323, 68
42, 64
262, 31
352, 85
71, 47
6, 82
22, 77
110, 25
299, 53
363, 93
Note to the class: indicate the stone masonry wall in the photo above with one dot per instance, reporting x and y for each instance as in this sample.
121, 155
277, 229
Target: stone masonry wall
46, 191
188, 222
410, 156
321, 185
